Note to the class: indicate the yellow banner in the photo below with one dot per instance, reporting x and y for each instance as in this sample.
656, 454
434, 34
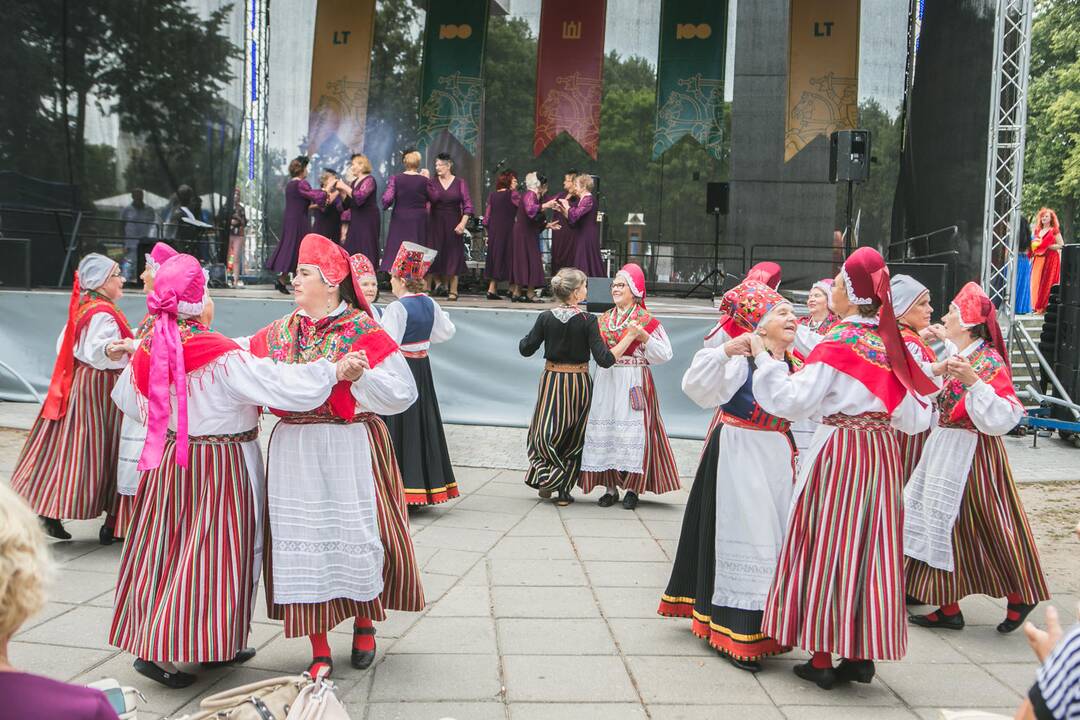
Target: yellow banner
340, 73
823, 71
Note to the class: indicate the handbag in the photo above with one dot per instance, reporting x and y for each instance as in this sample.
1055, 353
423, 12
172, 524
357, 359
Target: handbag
317, 702
270, 699
637, 398
123, 700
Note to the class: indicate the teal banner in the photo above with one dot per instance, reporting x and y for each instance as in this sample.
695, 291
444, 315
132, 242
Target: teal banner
690, 74
451, 91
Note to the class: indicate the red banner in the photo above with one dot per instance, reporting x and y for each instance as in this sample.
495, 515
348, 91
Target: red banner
569, 72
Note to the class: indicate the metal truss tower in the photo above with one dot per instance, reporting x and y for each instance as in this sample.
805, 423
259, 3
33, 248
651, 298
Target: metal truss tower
1005, 153
251, 173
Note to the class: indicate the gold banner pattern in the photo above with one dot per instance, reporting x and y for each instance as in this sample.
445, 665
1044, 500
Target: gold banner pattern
340, 73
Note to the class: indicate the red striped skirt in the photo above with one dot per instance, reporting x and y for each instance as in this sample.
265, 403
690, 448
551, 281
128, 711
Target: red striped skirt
660, 473
402, 587
839, 581
911, 447
993, 551
184, 593
67, 468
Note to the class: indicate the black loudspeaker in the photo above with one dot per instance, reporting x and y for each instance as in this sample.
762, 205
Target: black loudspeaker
15, 271
1070, 275
935, 276
849, 156
1068, 334
598, 298
717, 197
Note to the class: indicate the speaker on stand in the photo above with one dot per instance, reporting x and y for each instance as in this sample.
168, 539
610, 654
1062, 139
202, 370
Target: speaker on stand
849, 161
717, 204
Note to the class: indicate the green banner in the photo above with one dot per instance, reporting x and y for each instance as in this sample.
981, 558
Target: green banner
690, 74
451, 91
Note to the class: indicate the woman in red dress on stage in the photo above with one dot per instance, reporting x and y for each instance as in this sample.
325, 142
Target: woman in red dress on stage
1045, 254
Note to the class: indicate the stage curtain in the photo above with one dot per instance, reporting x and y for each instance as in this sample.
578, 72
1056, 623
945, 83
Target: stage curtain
690, 74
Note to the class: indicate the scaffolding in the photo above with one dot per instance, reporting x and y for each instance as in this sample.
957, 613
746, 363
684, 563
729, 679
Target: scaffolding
251, 172
1005, 154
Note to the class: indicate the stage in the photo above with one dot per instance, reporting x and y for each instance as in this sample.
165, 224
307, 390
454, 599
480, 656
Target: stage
480, 376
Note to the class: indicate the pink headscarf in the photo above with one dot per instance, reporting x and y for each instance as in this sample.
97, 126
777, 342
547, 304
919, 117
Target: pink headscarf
179, 289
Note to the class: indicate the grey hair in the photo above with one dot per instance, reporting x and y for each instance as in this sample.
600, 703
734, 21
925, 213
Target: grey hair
566, 282
532, 182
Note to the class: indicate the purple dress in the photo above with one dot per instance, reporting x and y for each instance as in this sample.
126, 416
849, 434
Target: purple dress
499, 221
526, 267
32, 697
586, 255
365, 221
562, 240
327, 217
447, 207
298, 195
409, 194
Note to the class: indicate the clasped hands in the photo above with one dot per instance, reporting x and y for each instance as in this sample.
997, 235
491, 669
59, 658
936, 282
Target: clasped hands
116, 350
747, 345
352, 366
956, 367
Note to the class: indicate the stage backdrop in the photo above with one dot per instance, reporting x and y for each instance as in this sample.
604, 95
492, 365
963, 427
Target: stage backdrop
480, 376
823, 71
340, 71
690, 74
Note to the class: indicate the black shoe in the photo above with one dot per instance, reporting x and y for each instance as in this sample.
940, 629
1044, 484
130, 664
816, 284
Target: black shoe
751, 666
517, 298
281, 287
440, 291
629, 501
174, 680
1007, 626
324, 660
564, 499
824, 678
362, 659
239, 658
54, 528
105, 535
942, 621
544, 494
608, 499
855, 671
912, 600
493, 296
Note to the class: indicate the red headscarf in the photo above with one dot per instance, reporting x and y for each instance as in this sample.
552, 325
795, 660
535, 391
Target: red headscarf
976, 308
634, 277
767, 273
334, 263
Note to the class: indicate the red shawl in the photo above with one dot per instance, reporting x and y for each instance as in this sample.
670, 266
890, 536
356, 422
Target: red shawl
992, 370
857, 350
640, 315
201, 346
910, 336
295, 338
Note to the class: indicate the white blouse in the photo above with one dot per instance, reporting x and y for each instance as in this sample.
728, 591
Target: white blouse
395, 316
989, 412
714, 377
91, 343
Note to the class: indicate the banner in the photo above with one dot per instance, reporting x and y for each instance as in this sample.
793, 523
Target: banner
823, 71
340, 72
451, 90
569, 72
690, 74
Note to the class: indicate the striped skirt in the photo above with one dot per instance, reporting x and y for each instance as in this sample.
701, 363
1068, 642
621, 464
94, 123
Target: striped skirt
839, 581
402, 587
993, 551
557, 431
911, 447
67, 468
660, 473
184, 593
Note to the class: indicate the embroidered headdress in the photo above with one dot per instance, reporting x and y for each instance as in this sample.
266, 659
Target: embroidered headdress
751, 302
361, 266
157, 255
906, 291
634, 277
767, 273
412, 261
333, 262
976, 308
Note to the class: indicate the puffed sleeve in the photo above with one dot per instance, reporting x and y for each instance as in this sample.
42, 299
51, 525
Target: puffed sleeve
991, 413
658, 349
316, 196
389, 193
576, 212
912, 415
125, 396
600, 351
466, 199
795, 396
532, 204
363, 190
714, 377
443, 328
96, 336
393, 320
806, 339
388, 389
532, 342
917, 353
293, 387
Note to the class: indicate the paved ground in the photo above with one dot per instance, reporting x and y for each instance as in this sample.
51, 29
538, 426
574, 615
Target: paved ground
537, 612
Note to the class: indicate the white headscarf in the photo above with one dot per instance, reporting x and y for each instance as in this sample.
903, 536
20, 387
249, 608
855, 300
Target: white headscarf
906, 291
94, 271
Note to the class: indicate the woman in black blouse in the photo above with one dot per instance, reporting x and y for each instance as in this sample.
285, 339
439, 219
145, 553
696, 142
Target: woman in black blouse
557, 433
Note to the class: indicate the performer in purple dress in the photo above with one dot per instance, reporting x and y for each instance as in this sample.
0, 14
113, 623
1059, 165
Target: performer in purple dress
499, 221
526, 266
298, 195
409, 193
562, 240
326, 215
365, 221
582, 219
450, 210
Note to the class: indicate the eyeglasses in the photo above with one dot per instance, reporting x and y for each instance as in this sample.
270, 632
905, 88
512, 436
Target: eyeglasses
115, 275
618, 286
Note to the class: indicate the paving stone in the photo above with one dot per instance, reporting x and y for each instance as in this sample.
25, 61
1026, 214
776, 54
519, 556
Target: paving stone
985, 644
435, 585
291, 656
478, 576
445, 635
706, 712
396, 624
934, 713
479, 520
694, 681
555, 547
592, 711
458, 538
463, 601
539, 525
452, 562
921, 685
617, 527
663, 529
819, 712
785, 688
630, 602
929, 646
51, 610
516, 477
1018, 676
62, 663
85, 626
544, 602
558, 636
507, 489
627, 549
468, 476
666, 511
76, 586
436, 711
509, 571
510, 505
658, 636
438, 678
567, 679
628, 574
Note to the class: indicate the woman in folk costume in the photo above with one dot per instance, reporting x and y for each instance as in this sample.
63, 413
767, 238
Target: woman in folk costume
67, 467
557, 431
367, 284
625, 442
965, 530
188, 573
338, 543
1045, 254
417, 322
839, 580
736, 516
815, 325
133, 432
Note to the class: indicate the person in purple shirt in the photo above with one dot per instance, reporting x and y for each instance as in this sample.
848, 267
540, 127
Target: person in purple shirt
526, 266
409, 193
24, 564
365, 220
582, 218
298, 195
450, 210
499, 221
562, 240
326, 212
